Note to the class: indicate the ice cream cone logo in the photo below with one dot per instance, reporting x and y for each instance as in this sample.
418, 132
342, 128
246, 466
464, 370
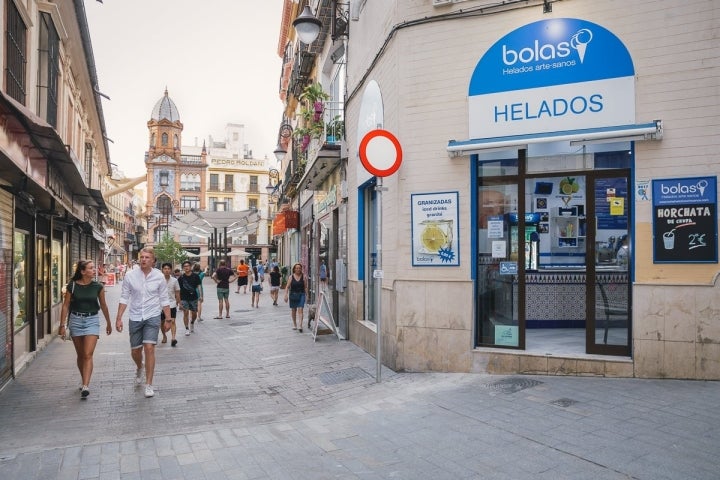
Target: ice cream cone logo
580, 40
702, 185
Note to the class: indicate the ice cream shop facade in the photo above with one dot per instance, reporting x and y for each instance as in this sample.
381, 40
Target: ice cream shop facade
589, 225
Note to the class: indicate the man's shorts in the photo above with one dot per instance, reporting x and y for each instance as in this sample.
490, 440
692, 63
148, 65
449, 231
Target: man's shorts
242, 281
173, 314
144, 331
223, 293
190, 305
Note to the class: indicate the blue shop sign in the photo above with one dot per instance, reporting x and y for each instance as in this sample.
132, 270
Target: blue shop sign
552, 75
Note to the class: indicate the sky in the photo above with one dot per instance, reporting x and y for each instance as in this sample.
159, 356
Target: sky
217, 58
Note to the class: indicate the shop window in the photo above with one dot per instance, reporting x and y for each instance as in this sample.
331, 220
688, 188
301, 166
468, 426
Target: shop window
20, 279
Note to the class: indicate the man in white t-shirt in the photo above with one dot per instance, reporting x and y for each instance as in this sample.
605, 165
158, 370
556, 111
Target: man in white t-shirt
173, 289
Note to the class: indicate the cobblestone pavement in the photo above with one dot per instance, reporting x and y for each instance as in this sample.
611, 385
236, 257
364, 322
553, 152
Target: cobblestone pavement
249, 398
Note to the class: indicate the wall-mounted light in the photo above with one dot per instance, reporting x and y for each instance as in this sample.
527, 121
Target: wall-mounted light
164, 178
285, 132
340, 24
307, 26
273, 181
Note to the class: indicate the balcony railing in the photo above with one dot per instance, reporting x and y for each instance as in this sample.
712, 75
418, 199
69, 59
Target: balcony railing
191, 159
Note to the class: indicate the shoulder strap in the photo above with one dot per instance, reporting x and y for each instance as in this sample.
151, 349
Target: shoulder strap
72, 289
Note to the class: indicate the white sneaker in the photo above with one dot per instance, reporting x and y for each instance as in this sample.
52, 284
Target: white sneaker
192, 328
139, 375
149, 392
187, 332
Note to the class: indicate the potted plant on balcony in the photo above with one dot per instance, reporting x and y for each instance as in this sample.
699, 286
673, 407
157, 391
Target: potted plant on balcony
303, 135
335, 129
314, 96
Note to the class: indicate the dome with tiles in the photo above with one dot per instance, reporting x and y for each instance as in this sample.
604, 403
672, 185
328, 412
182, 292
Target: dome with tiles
165, 108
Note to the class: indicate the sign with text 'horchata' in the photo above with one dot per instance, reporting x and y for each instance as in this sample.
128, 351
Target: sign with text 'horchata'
685, 220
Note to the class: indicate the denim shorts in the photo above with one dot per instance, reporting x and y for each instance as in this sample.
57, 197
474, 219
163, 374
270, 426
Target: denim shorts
144, 331
189, 305
81, 326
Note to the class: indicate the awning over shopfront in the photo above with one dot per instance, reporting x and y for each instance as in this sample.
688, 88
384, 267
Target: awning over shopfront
620, 133
284, 220
98, 199
48, 142
98, 236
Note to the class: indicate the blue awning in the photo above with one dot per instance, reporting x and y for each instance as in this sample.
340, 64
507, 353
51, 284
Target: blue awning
619, 133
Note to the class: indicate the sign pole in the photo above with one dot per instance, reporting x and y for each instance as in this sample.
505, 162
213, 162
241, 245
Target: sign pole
381, 154
377, 274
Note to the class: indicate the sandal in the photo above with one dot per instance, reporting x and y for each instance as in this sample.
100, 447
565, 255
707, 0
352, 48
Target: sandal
217, 318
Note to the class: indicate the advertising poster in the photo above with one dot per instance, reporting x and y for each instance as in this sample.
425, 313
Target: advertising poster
685, 220
435, 229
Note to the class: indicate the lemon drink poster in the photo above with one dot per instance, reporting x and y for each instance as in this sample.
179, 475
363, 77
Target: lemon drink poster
435, 229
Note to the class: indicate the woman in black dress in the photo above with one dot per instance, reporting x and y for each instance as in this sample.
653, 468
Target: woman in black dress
297, 292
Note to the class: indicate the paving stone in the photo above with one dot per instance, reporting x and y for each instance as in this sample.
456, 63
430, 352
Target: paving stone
259, 401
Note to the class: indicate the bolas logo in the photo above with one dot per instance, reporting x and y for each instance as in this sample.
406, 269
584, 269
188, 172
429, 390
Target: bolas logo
680, 189
537, 53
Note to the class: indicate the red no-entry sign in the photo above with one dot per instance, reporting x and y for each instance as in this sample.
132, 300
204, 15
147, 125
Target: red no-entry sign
380, 153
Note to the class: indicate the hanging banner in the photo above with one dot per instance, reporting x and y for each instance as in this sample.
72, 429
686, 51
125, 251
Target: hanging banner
685, 220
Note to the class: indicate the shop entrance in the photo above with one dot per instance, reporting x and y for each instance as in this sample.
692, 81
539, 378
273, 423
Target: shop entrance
553, 264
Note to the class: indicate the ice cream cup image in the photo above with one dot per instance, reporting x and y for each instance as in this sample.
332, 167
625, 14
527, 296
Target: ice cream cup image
669, 240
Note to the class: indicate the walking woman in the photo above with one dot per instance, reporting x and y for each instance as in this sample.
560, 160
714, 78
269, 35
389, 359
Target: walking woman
83, 298
275, 284
297, 292
256, 288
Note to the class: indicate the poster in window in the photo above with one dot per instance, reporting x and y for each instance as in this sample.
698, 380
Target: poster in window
435, 229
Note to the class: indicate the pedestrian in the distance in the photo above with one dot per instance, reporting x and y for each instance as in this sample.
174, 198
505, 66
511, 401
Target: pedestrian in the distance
242, 276
83, 298
189, 296
145, 290
200, 273
174, 298
274, 283
297, 292
223, 276
323, 274
256, 288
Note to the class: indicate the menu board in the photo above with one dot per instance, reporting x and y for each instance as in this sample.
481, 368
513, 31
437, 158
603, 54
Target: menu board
685, 220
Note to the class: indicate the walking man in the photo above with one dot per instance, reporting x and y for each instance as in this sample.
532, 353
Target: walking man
174, 299
223, 276
189, 282
242, 276
145, 290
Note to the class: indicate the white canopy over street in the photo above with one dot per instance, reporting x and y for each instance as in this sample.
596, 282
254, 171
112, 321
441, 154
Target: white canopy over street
203, 223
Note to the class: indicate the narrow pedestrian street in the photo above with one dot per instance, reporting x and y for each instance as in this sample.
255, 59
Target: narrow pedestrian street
250, 398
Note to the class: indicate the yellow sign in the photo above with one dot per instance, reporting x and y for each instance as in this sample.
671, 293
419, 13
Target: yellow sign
617, 206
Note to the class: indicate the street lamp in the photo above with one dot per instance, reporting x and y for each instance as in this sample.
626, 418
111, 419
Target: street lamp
273, 181
285, 132
307, 26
